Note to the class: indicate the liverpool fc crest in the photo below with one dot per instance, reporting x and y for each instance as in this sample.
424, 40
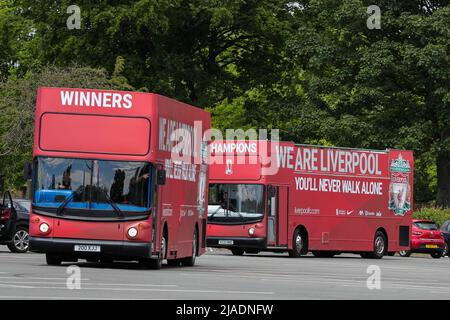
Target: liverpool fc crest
400, 188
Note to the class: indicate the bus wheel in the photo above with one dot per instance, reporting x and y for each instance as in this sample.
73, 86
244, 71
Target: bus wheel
237, 252
324, 254
156, 264
298, 244
190, 261
379, 246
53, 259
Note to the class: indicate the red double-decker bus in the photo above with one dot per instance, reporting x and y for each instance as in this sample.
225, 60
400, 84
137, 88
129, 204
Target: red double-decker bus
118, 176
266, 196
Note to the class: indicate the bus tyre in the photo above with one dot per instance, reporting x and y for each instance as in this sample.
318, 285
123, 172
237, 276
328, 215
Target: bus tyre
323, 254
53, 259
379, 246
237, 252
190, 261
298, 244
404, 253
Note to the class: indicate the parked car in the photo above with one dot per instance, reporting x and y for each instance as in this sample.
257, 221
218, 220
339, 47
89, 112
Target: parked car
445, 229
426, 238
14, 222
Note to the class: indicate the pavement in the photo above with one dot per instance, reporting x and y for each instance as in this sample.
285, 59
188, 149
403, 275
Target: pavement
219, 275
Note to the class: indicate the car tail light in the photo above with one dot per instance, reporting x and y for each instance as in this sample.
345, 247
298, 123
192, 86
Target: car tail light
5, 215
417, 233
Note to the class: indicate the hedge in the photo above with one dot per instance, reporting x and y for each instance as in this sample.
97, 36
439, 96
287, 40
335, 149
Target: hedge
438, 215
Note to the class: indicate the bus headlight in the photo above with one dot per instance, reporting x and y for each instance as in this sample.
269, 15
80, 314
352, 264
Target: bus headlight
251, 231
132, 232
44, 227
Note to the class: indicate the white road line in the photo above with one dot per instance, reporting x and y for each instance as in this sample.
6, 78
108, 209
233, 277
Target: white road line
92, 284
37, 278
14, 286
73, 298
162, 290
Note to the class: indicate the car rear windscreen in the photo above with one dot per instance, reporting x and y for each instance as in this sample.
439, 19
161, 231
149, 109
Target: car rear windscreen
426, 225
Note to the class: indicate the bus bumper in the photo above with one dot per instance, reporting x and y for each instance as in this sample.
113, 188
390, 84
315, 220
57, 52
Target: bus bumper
235, 242
109, 248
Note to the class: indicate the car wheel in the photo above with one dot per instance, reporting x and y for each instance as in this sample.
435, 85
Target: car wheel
190, 261
404, 253
237, 252
437, 254
53, 259
20, 241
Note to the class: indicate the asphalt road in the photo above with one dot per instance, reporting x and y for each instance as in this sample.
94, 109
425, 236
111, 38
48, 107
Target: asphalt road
219, 275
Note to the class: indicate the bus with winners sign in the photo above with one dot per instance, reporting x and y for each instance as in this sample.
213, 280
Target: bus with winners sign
118, 176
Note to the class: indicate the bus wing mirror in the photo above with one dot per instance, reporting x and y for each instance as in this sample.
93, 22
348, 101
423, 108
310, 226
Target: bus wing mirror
161, 177
271, 191
28, 171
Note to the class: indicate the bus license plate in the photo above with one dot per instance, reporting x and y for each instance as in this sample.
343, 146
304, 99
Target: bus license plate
227, 242
431, 246
86, 248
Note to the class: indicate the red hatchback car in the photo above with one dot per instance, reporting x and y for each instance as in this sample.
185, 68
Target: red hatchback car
426, 238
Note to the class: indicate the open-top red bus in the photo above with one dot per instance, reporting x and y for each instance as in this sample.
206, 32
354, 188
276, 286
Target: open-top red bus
266, 196
118, 176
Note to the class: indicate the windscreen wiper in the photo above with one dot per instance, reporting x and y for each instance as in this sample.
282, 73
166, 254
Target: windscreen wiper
214, 213
112, 203
240, 215
63, 205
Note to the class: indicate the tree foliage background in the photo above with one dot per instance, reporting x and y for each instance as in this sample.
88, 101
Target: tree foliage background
312, 68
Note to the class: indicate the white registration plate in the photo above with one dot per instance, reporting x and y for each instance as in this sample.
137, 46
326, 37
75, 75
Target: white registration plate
227, 242
86, 248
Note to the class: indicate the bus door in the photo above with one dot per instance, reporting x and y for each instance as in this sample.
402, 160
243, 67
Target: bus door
277, 216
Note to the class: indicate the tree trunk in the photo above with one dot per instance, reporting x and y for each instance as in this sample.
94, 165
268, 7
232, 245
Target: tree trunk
443, 179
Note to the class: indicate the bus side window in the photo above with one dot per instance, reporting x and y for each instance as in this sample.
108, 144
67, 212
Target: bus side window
272, 200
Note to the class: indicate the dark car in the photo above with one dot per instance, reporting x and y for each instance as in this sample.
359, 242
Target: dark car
445, 229
14, 221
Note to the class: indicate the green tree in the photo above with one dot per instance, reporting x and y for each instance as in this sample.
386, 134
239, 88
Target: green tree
198, 51
17, 110
386, 87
